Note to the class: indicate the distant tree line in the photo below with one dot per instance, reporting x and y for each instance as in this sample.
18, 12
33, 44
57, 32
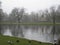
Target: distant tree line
19, 15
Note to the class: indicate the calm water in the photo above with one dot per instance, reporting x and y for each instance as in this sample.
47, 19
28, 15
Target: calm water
34, 34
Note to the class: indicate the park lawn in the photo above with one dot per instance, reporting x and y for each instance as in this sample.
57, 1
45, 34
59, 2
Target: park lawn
4, 41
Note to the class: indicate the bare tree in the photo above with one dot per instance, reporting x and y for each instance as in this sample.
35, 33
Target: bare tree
16, 17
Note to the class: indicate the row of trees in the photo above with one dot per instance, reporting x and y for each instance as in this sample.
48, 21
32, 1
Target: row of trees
19, 16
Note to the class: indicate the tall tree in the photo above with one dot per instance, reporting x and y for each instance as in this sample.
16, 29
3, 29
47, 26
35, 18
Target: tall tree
57, 18
1, 17
16, 17
54, 16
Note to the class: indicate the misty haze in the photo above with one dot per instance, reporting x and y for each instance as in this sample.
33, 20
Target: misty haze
42, 24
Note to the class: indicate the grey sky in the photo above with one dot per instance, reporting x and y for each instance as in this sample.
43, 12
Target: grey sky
30, 5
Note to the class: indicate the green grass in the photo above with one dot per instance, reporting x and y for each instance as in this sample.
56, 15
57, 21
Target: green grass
27, 23
4, 41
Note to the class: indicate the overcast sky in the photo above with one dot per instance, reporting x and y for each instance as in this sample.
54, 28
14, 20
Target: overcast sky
30, 5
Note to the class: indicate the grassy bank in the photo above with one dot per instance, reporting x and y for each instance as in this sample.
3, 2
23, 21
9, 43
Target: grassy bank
4, 41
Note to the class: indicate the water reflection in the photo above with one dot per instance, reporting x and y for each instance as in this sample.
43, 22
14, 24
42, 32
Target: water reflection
7, 32
31, 32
